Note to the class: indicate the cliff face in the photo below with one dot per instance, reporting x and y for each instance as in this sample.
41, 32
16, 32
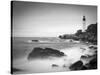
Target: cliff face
44, 53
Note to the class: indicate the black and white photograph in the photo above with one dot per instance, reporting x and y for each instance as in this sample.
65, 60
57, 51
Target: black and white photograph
53, 37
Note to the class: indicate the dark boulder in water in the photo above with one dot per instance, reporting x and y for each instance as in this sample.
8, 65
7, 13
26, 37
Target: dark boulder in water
79, 65
93, 47
86, 56
76, 66
44, 53
54, 65
35, 40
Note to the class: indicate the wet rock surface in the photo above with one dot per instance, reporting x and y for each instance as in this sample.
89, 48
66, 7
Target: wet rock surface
44, 53
77, 65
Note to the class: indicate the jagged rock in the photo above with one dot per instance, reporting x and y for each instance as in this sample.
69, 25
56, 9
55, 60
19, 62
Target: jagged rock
44, 53
77, 65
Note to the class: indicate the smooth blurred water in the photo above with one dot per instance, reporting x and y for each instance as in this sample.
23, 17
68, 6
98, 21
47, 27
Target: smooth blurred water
21, 49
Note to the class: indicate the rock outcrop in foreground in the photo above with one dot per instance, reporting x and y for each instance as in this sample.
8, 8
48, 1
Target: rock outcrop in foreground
79, 65
44, 53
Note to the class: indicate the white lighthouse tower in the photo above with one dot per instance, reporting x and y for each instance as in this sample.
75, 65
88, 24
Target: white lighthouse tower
84, 24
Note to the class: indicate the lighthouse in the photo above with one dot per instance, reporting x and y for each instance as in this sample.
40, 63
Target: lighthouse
84, 24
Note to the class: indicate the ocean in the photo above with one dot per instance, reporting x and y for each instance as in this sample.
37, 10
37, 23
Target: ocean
21, 47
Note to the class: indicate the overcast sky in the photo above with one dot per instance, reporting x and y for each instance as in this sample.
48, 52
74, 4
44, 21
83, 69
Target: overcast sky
31, 19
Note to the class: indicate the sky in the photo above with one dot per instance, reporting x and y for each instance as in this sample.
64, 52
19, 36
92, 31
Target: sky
34, 19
